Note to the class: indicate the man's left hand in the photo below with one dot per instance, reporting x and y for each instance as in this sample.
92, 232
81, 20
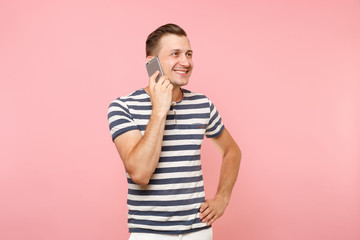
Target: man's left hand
212, 209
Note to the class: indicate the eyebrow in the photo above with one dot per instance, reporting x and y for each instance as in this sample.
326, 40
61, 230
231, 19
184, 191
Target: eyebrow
179, 50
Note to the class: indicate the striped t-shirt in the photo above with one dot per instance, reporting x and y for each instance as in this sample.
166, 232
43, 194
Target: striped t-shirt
170, 202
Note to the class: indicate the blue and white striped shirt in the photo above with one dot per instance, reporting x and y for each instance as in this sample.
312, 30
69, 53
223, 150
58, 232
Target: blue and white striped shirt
170, 202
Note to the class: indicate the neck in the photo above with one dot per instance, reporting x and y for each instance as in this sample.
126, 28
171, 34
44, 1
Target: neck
177, 94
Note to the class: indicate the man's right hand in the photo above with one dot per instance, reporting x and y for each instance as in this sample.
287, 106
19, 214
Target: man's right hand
133, 146
160, 94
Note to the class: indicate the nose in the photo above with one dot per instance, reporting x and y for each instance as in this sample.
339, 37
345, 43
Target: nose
184, 61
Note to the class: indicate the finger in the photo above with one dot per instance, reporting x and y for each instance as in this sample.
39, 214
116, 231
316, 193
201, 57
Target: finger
209, 216
166, 83
161, 80
203, 206
170, 86
205, 213
153, 77
212, 220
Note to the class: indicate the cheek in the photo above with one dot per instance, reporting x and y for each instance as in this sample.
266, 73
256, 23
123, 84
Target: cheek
170, 65
191, 63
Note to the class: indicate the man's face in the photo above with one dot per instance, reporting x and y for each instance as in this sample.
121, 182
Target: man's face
175, 57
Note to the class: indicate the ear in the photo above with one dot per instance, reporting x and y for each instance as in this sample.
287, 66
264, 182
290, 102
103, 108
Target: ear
148, 58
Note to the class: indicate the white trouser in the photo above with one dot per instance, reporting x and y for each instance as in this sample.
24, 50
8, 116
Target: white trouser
205, 234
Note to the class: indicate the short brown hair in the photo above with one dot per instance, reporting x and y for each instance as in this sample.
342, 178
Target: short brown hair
153, 39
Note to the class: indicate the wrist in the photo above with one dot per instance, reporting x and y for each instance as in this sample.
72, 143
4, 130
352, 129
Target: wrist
225, 198
159, 115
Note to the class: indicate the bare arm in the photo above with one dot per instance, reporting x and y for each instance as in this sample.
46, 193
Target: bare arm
140, 154
212, 209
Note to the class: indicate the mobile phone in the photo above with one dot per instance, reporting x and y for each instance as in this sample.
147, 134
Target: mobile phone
154, 65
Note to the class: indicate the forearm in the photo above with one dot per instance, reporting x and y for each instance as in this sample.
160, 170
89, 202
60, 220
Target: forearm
229, 172
212, 209
144, 158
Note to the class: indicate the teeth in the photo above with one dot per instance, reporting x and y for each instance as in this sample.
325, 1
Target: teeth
180, 71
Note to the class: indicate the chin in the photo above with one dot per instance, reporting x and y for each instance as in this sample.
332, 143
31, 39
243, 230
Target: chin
180, 83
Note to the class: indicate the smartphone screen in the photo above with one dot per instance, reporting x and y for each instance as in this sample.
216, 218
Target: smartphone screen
154, 65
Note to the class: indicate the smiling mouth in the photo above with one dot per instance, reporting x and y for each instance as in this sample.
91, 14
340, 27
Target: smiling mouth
181, 71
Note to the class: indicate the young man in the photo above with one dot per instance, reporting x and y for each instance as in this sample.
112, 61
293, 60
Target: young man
158, 132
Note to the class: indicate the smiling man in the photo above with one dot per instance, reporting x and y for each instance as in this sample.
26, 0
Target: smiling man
158, 132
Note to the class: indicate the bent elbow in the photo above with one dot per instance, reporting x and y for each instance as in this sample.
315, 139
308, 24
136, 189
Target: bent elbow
140, 179
139, 175
239, 153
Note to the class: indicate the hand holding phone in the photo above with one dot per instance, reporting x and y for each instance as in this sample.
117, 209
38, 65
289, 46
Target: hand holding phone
152, 66
160, 94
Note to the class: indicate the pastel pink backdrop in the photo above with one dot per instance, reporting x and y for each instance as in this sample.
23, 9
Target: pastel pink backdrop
284, 75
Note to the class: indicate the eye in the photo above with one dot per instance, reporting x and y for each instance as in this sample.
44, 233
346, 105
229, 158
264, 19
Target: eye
175, 54
189, 54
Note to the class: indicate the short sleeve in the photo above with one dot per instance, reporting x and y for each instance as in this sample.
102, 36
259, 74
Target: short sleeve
215, 125
120, 119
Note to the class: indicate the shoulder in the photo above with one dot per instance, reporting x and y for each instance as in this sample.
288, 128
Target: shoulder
136, 96
198, 98
192, 96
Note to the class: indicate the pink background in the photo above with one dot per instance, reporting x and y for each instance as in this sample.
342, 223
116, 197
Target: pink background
284, 75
